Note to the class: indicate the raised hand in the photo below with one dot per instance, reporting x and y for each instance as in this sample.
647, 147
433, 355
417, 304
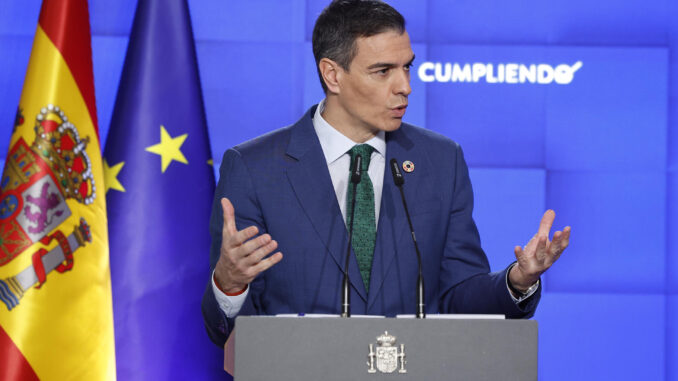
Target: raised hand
242, 257
539, 253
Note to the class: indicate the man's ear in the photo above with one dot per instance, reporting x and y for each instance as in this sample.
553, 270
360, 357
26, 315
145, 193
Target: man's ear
331, 73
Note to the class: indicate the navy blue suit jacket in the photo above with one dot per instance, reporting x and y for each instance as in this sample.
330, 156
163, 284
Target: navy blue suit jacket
280, 183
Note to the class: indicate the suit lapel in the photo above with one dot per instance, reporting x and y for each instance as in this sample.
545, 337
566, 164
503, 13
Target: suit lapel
310, 179
393, 235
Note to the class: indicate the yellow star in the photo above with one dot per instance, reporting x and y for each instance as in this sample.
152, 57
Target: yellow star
169, 148
111, 176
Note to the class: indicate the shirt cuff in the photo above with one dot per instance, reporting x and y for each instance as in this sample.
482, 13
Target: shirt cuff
527, 294
230, 305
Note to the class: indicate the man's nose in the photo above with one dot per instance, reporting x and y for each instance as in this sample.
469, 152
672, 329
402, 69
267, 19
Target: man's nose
402, 84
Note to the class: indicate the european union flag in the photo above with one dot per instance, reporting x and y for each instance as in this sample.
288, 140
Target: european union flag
159, 187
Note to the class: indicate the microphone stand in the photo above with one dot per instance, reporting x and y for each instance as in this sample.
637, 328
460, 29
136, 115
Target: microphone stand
399, 181
346, 295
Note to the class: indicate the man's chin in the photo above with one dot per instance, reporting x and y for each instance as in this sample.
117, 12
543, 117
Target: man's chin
393, 125
387, 126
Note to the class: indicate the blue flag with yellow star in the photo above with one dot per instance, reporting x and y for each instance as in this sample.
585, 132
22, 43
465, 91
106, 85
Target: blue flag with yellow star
159, 186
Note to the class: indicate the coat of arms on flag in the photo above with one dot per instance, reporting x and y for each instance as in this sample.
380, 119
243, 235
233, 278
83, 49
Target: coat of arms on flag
38, 179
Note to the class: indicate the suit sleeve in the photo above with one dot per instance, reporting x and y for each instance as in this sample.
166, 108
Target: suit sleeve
466, 284
236, 184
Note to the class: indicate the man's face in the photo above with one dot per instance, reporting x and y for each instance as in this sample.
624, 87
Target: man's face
373, 93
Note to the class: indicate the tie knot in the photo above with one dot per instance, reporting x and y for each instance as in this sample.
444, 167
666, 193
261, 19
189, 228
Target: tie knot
365, 151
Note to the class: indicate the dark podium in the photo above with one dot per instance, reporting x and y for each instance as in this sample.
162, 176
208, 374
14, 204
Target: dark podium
362, 348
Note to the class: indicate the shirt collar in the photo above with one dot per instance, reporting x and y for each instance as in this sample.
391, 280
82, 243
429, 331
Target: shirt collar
335, 144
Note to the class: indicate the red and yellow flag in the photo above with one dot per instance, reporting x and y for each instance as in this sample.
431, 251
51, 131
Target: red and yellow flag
56, 319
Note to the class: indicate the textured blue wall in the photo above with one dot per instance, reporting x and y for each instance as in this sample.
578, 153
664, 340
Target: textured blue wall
601, 150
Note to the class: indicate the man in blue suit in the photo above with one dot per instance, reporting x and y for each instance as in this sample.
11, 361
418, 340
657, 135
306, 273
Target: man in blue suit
289, 190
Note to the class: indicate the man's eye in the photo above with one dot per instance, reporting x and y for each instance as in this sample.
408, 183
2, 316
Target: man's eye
383, 71
408, 66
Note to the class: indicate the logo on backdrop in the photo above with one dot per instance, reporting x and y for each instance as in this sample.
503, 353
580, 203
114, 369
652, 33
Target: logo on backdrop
37, 181
510, 73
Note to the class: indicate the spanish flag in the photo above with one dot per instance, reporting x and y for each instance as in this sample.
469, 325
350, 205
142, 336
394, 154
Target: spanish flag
56, 319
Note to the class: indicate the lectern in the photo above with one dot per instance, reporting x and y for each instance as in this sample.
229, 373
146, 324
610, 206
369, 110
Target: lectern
333, 348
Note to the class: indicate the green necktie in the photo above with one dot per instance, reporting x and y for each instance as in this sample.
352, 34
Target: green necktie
364, 227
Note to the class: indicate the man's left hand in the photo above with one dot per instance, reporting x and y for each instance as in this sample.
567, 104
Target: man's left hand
539, 254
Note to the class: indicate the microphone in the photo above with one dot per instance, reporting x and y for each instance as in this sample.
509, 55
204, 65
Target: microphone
346, 295
399, 180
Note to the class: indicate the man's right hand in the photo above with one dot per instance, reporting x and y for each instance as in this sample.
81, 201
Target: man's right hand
242, 257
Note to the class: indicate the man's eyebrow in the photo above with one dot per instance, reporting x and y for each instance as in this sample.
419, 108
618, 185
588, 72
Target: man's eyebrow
381, 64
388, 64
411, 61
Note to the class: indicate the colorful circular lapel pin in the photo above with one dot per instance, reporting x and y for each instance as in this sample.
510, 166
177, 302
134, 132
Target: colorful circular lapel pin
408, 166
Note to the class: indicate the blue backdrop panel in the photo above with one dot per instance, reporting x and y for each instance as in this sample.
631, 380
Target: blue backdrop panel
601, 336
313, 91
509, 204
249, 93
416, 109
19, 18
498, 124
672, 337
618, 234
15, 53
673, 87
608, 22
672, 237
415, 13
488, 21
111, 20
673, 133
253, 20
561, 22
613, 114
108, 54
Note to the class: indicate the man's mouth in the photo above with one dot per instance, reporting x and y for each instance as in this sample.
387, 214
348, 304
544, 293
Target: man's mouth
399, 111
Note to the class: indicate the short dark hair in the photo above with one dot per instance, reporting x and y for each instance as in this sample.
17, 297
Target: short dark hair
343, 21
